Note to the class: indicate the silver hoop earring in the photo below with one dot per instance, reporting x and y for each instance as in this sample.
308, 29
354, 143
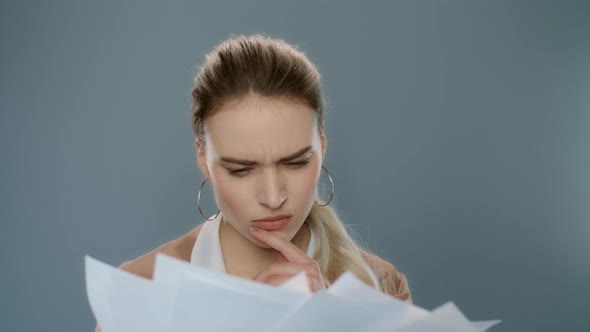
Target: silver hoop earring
199, 202
332, 183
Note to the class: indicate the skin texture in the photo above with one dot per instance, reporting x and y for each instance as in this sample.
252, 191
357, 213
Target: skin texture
262, 130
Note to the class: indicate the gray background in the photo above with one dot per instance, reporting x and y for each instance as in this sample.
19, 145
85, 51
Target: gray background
458, 139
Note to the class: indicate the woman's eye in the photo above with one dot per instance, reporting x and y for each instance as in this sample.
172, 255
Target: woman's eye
298, 164
238, 172
244, 171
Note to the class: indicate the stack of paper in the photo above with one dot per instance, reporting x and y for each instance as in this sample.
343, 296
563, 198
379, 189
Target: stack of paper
183, 297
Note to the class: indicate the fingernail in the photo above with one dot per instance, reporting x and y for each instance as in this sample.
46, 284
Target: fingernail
253, 228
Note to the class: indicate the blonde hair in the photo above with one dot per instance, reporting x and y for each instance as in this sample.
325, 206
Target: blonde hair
260, 65
337, 252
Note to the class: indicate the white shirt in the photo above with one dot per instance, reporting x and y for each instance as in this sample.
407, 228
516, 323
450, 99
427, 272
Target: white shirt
207, 249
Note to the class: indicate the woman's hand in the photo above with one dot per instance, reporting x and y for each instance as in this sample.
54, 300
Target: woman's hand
290, 261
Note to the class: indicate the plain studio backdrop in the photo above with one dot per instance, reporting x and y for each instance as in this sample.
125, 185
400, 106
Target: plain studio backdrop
458, 142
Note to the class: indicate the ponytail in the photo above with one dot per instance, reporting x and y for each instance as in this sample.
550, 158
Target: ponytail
336, 252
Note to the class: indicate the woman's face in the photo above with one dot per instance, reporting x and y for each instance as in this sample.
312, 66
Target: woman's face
263, 156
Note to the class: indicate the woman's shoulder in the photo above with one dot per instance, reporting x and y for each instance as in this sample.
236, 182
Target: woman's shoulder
392, 281
180, 248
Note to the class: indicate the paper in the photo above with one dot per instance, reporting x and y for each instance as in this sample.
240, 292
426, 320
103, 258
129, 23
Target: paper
121, 301
182, 298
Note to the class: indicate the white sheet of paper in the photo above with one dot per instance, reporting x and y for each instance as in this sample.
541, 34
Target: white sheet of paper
401, 313
446, 317
216, 301
394, 313
185, 298
326, 312
199, 306
298, 283
123, 302
170, 270
484, 325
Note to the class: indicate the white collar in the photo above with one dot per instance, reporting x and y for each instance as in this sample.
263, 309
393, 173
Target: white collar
207, 249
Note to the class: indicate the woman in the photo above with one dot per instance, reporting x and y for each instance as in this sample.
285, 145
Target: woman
257, 115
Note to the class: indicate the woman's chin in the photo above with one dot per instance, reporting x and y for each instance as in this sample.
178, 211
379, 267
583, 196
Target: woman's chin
280, 233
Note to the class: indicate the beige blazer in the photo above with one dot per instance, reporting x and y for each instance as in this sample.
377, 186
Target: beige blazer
392, 282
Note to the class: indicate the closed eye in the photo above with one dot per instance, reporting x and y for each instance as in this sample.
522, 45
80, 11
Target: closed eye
243, 171
298, 164
238, 172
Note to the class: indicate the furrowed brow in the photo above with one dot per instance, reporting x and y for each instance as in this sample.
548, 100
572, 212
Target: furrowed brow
245, 162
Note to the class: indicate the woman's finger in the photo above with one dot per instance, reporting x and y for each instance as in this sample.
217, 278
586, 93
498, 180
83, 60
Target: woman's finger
288, 249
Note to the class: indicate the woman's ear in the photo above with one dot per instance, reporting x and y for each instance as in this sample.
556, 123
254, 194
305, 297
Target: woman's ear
202, 159
324, 141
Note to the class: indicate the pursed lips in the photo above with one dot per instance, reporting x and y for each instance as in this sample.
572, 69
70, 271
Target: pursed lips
273, 223
275, 218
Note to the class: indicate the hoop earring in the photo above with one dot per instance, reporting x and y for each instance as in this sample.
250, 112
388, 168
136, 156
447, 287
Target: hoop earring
199, 202
332, 183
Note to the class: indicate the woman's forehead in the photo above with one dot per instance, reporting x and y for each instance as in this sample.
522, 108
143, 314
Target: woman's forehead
267, 126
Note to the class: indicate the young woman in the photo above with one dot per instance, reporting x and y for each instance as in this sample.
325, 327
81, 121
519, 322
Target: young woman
258, 119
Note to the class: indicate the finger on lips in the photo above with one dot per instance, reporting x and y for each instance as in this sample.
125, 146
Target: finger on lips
290, 261
288, 249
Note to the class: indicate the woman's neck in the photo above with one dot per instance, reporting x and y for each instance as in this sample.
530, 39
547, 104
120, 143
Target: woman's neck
245, 259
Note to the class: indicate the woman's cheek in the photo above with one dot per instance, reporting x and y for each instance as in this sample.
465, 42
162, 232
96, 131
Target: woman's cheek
229, 195
308, 182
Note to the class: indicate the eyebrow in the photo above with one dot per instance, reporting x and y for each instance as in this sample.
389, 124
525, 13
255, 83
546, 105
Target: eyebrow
252, 163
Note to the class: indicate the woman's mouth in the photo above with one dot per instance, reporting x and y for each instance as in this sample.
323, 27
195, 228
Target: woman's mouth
272, 225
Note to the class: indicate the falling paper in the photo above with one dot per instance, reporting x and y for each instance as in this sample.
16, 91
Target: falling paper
183, 297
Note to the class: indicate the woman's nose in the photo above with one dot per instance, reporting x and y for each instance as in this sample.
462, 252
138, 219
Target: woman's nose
272, 192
